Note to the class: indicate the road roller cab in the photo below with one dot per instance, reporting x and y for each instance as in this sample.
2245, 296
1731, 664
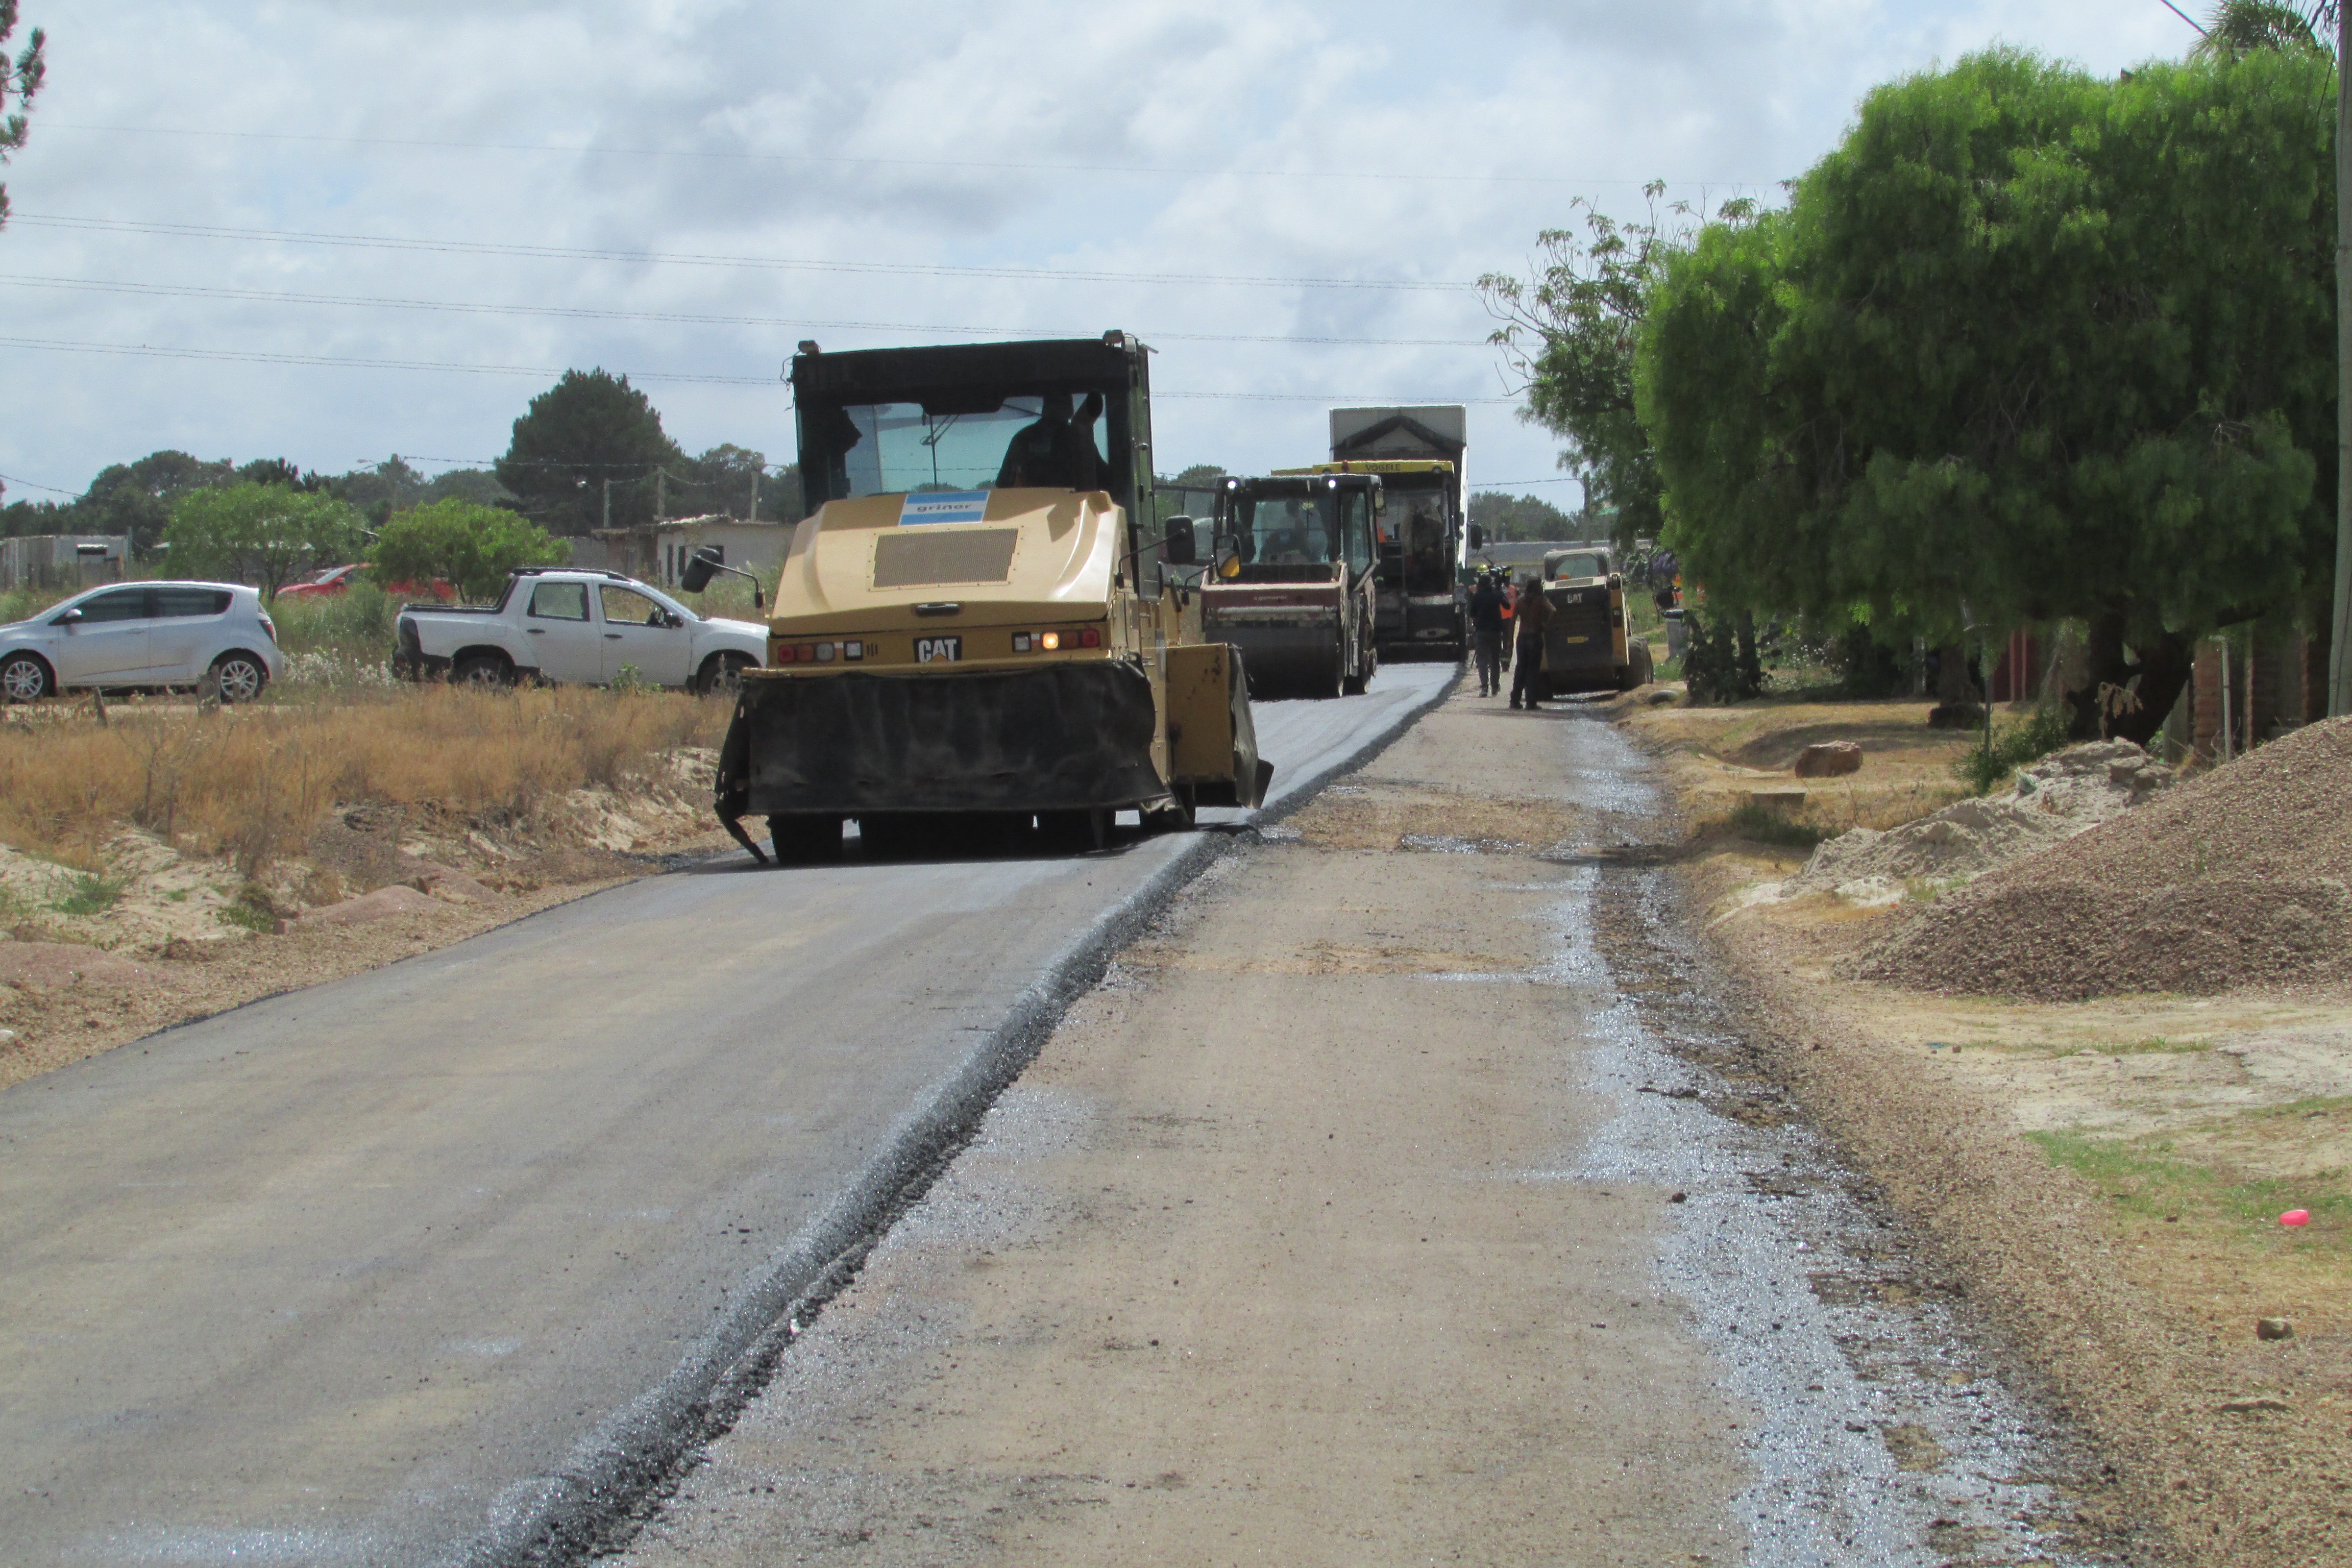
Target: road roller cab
1295, 588
974, 629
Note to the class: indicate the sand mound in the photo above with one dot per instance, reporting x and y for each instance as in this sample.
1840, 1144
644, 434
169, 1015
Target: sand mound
2067, 793
2240, 877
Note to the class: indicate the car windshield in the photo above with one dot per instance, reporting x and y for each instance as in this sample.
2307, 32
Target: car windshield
1583, 563
1055, 440
1286, 530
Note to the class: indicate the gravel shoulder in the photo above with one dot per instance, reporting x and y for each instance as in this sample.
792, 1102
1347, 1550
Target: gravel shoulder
2103, 1178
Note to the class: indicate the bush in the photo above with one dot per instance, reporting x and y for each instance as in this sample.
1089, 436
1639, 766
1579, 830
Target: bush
354, 627
472, 548
1986, 768
261, 534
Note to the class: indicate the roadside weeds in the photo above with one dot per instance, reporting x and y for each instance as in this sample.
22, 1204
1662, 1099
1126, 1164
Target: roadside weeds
160, 867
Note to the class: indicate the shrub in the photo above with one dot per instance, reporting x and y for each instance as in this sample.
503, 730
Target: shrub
472, 548
1985, 768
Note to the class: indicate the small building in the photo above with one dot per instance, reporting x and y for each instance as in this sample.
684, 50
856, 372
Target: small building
658, 551
68, 561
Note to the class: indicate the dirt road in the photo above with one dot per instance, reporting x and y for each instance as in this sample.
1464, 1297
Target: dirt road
1373, 1211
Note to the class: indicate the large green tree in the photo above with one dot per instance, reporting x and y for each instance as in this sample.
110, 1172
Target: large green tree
261, 534
589, 436
137, 498
20, 79
470, 547
2030, 344
1570, 331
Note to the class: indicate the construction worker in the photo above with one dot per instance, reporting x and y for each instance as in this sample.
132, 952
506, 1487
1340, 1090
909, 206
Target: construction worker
1526, 677
1486, 630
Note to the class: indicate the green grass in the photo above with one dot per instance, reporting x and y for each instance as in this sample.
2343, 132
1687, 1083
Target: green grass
1765, 826
89, 894
2014, 746
252, 909
2148, 1182
2155, 1045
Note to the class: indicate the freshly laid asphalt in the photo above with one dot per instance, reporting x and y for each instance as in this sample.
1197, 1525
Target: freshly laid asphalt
440, 1263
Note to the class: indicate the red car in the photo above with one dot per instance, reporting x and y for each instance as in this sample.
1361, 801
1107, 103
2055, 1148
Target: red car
335, 579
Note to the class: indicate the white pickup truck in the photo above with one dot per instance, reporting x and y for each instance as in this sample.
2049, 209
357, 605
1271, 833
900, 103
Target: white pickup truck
585, 627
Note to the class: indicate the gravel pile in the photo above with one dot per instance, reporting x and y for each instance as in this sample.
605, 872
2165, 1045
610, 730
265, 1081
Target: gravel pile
2242, 877
2067, 793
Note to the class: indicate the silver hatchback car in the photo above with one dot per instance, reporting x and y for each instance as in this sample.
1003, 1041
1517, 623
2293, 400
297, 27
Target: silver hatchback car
144, 633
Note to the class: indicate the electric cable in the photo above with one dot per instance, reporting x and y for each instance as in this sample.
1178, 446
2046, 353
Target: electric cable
791, 323
257, 357
780, 264
853, 160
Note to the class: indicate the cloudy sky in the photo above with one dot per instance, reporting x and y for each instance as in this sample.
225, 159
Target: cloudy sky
330, 230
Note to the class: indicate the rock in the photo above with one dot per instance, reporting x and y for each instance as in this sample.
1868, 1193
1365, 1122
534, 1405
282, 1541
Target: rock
7, 1039
2249, 1407
379, 905
1828, 760
49, 964
448, 882
2273, 1328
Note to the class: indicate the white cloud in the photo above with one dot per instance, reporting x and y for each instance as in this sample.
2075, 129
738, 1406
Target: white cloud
1517, 105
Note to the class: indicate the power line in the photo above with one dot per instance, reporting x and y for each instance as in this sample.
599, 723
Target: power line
570, 253
354, 363
2184, 16
13, 479
252, 357
792, 323
846, 159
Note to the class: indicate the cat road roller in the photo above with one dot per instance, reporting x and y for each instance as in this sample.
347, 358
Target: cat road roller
979, 633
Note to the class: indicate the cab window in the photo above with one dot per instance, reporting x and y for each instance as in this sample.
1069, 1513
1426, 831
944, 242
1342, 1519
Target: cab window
627, 607
1356, 528
559, 601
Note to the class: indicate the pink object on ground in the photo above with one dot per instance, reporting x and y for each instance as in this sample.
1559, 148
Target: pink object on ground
2295, 1216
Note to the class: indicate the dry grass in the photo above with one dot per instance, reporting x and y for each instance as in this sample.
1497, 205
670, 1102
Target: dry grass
252, 783
1715, 756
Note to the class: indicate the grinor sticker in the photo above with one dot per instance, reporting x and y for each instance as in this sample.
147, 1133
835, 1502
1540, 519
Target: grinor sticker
943, 506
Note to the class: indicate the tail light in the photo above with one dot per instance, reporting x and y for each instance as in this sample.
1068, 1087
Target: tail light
270, 628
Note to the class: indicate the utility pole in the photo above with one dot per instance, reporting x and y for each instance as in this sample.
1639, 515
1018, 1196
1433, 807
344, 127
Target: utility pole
753, 515
2340, 643
661, 494
608, 500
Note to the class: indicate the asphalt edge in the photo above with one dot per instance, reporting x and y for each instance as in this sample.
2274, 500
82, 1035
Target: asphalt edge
619, 1475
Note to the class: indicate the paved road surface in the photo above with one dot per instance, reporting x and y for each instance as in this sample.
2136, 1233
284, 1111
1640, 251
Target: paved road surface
347, 1277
